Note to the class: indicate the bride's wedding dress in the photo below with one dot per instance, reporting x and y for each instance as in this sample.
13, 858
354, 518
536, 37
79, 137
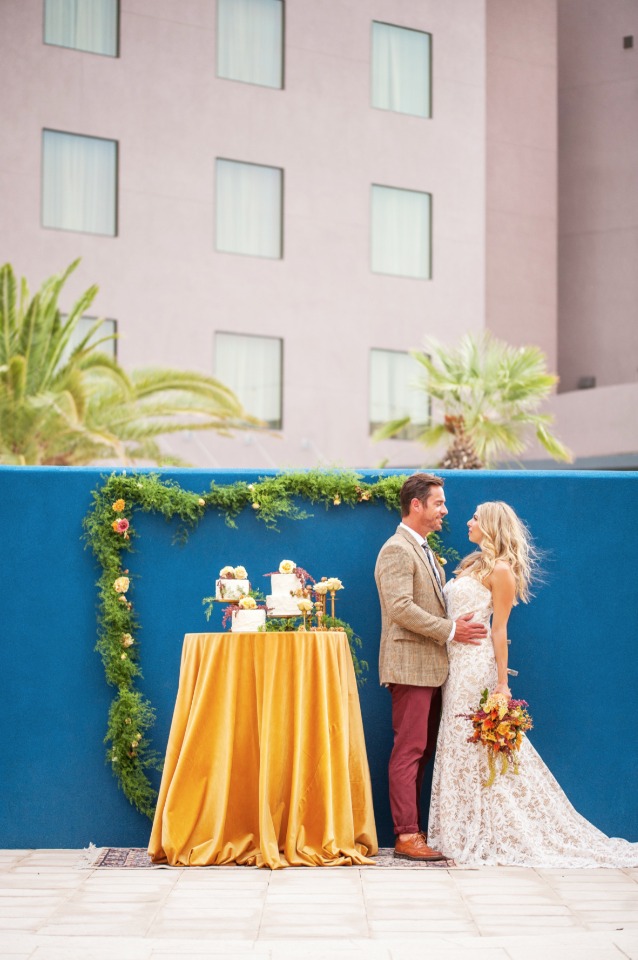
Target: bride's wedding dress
521, 820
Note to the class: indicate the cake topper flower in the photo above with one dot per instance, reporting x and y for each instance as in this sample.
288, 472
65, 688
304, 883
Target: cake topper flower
247, 603
287, 566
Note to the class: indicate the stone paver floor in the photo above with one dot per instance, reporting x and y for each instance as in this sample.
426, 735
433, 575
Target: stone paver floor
54, 907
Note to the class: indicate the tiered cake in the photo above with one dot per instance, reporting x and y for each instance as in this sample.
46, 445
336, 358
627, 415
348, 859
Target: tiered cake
286, 588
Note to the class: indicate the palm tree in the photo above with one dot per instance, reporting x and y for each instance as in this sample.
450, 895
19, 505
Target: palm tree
488, 393
74, 407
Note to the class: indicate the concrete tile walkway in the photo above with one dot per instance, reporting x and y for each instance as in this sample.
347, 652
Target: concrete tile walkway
54, 907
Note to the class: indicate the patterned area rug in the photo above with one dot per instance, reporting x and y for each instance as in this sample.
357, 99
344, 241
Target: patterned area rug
137, 858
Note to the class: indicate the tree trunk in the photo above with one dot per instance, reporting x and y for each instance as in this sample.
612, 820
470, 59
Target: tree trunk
461, 454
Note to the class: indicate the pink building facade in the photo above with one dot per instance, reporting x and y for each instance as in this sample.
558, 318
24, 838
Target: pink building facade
250, 171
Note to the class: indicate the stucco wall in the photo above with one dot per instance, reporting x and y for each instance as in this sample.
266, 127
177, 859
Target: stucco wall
575, 645
161, 277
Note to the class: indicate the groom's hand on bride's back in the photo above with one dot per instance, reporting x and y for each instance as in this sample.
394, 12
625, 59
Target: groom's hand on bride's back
468, 631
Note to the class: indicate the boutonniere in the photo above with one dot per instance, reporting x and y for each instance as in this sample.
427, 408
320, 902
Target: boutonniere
440, 559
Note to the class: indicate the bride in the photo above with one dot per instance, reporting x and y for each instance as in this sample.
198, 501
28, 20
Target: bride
521, 820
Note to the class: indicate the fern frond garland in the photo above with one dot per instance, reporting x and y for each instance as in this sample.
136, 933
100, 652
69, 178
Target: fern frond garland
131, 716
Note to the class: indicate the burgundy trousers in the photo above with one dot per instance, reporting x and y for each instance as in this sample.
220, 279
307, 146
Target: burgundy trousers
416, 713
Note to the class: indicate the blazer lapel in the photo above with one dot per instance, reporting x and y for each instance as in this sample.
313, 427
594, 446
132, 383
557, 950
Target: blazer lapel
424, 560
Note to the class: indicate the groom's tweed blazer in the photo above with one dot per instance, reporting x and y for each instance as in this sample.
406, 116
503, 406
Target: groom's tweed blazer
414, 623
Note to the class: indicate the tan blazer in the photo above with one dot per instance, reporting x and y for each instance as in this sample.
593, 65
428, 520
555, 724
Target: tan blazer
414, 622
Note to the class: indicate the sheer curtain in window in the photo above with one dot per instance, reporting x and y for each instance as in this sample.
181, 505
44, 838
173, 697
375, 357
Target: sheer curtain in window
401, 231
79, 183
395, 392
89, 25
401, 69
107, 329
251, 367
250, 41
248, 209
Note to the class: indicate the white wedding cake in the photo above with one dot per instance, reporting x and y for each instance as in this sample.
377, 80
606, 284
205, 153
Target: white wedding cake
233, 584
248, 621
285, 591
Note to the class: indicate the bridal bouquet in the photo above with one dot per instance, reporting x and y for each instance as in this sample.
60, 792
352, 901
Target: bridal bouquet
500, 724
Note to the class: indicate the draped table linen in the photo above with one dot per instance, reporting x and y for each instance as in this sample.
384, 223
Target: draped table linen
266, 761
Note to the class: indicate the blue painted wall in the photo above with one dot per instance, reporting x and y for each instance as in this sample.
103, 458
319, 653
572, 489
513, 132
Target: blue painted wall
575, 645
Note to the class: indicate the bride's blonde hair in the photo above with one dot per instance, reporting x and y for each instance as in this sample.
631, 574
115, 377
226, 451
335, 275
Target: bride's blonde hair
505, 537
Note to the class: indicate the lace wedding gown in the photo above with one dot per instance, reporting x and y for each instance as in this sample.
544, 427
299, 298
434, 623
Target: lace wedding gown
521, 820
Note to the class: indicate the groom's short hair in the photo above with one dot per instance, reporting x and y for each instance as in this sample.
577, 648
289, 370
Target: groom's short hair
419, 485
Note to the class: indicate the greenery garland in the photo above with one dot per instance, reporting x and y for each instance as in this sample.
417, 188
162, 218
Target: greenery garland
111, 535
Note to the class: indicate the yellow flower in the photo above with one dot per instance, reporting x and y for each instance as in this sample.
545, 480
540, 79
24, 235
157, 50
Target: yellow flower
201, 502
247, 603
305, 605
123, 656
241, 573
121, 584
227, 573
287, 566
128, 720
255, 506
119, 505
337, 500
127, 640
334, 583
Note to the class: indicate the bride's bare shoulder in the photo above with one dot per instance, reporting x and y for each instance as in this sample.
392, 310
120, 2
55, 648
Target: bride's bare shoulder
502, 576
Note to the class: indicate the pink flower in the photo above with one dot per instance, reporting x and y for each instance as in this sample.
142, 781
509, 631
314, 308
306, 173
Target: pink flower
121, 525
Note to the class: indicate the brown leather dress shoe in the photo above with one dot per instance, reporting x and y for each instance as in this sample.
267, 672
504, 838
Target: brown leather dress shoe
415, 848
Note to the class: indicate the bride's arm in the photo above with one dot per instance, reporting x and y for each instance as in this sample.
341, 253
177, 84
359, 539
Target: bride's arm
503, 587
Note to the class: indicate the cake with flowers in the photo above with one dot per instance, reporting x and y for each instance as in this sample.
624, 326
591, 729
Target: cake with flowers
248, 618
286, 588
233, 584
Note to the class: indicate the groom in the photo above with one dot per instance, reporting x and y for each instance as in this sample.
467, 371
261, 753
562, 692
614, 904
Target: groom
413, 656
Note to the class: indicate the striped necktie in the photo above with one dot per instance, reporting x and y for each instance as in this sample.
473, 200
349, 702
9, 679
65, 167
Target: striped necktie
432, 562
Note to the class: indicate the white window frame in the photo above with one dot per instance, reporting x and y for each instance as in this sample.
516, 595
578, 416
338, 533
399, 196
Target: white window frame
275, 423
413, 429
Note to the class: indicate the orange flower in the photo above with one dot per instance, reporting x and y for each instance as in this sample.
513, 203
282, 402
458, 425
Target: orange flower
119, 505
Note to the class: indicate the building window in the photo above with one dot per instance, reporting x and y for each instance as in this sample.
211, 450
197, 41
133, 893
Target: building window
401, 70
89, 25
395, 393
107, 329
401, 232
250, 41
79, 183
252, 367
249, 209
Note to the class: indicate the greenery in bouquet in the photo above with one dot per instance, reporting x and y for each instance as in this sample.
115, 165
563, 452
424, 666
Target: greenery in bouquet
499, 724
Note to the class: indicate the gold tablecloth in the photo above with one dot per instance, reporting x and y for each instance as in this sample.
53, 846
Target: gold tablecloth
266, 761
